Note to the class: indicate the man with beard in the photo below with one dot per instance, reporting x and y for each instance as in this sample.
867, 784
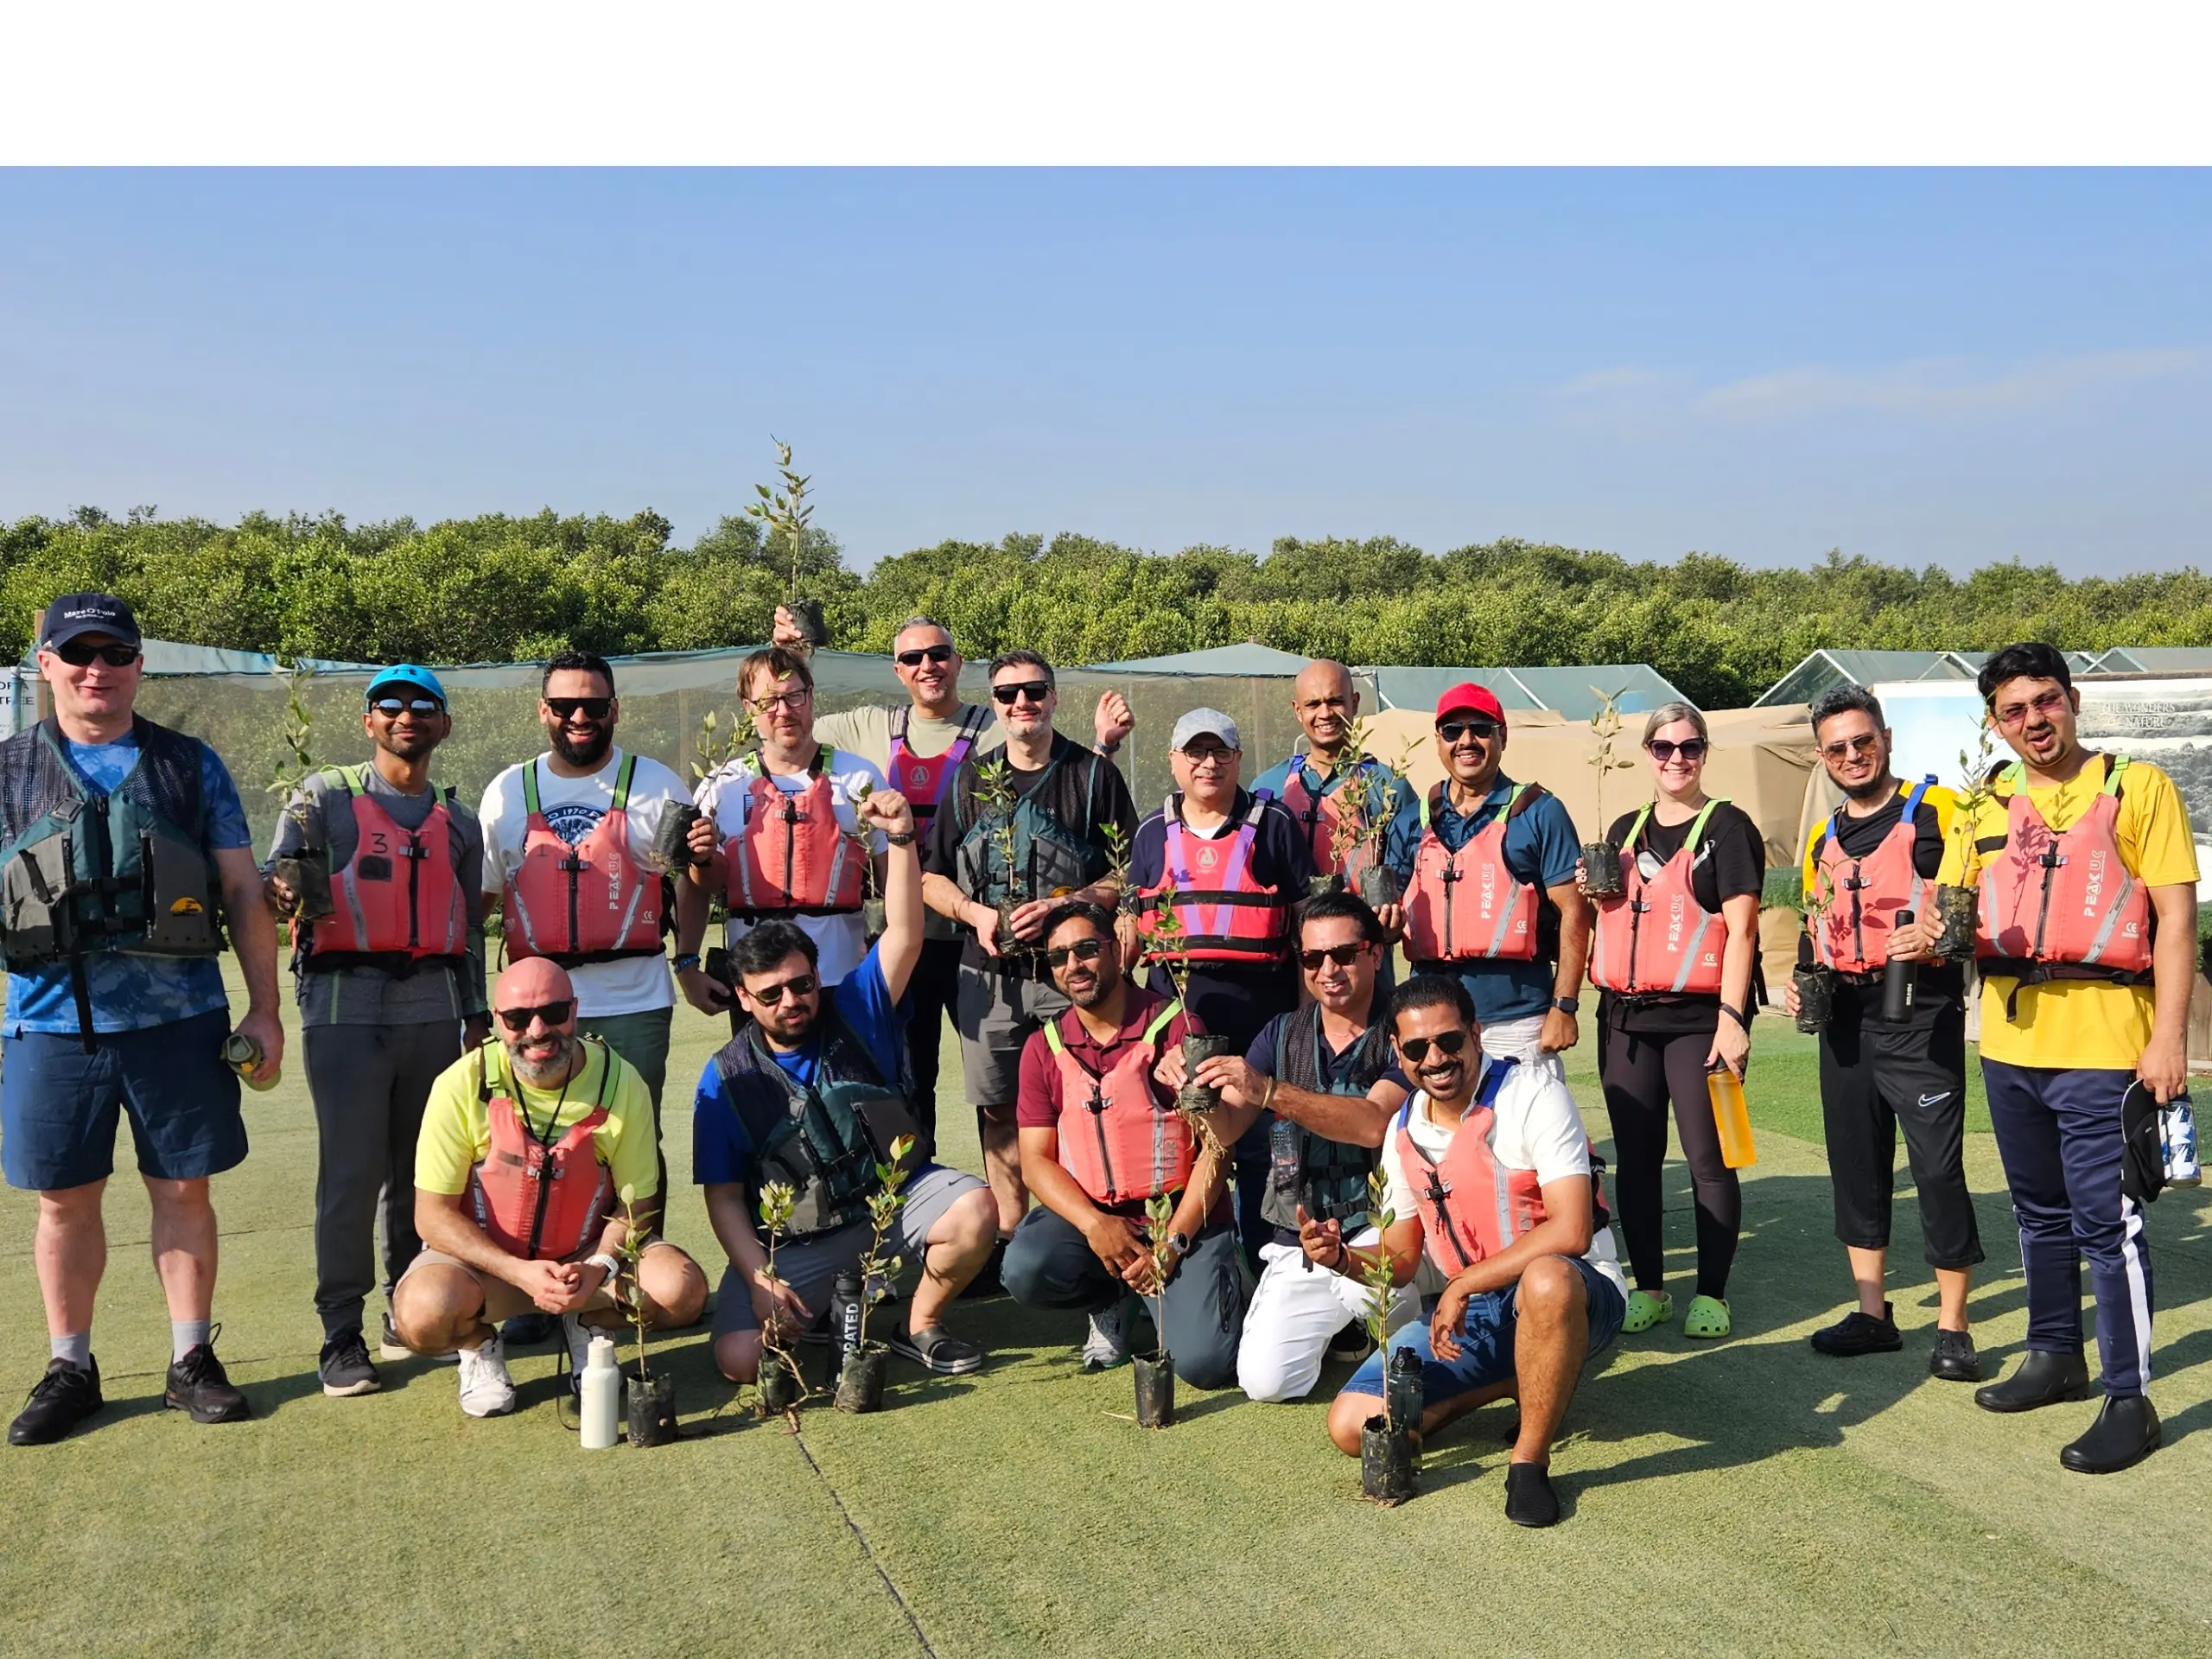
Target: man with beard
1311, 786
386, 983
528, 1146
1873, 861
1101, 1137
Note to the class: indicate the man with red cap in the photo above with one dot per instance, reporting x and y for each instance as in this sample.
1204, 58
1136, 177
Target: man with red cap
1490, 896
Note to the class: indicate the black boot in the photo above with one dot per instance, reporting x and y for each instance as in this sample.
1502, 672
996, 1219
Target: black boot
2043, 1379
2125, 1432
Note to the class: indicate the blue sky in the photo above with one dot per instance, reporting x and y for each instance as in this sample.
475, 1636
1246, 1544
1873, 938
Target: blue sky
1919, 366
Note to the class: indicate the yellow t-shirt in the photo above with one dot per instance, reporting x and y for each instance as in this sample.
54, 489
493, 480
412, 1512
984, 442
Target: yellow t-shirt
456, 1133
2080, 1022
1945, 803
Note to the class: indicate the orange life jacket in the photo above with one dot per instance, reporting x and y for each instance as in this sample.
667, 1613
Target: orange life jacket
591, 902
380, 916
790, 856
1226, 913
1865, 895
922, 780
542, 1198
1319, 809
1117, 1138
1471, 1206
1468, 906
2063, 904
1655, 938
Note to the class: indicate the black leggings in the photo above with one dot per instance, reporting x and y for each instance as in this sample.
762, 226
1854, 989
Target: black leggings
1640, 1072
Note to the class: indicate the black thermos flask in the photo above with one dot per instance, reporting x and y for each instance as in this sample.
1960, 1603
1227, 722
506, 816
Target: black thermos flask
1897, 981
845, 1315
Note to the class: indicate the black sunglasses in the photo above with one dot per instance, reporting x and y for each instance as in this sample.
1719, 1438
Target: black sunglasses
771, 994
928, 653
1690, 748
1342, 954
78, 654
1035, 690
1416, 1048
1483, 731
394, 707
565, 708
553, 1013
1081, 951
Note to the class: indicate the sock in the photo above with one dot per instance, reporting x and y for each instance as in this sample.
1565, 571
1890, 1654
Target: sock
185, 1335
77, 1350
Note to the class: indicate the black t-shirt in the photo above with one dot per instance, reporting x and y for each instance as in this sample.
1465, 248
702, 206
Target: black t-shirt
1729, 861
1859, 837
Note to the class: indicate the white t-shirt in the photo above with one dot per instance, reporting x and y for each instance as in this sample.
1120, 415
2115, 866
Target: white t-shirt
725, 795
574, 807
1536, 1128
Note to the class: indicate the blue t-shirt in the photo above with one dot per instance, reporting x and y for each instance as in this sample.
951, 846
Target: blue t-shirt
720, 1146
132, 993
1540, 847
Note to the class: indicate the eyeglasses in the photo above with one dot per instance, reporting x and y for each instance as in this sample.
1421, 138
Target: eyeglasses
567, 708
1483, 731
783, 699
1081, 951
1342, 954
1034, 691
1690, 748
1212, 757
78, 654
926, 653
1416, 1048
1865, 743
553, 1013
2046, 706
392, 708
802, 986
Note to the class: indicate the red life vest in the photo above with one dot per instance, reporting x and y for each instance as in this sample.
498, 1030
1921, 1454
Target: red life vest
1655, 938
1117, 1138
1318, 813
921, 780
378, 913
1471, 1206
1227, 914
543, 1199
1865, 895
1468, 906
591, 902
2063, 904
790, 856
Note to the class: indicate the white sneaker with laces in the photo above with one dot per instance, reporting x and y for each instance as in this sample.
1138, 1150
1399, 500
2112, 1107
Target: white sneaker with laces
1107, 1344
486, 1390
579, 1336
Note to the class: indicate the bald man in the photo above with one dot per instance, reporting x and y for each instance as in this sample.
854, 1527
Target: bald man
498, 1239
1326, 703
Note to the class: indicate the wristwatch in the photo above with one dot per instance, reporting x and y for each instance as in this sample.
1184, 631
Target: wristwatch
902, 838
607, 1264
1180, 1243
689, 960
1568, 1004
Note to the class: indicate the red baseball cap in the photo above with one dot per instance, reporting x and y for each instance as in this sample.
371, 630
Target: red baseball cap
1469, 699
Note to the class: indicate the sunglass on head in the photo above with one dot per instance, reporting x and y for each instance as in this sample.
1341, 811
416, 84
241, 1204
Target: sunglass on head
1342, 954
1863, 743
802, 986
1034, 691
916, 658
1449, 1042
1690, 748
566, 709
553, 1013
78, 654
1483, 731
392, 708
1081, 951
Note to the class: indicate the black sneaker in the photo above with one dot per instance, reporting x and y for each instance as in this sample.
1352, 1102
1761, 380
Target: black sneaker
59, 1401
198, 1384
528, 1330
986, 1283
1529, 1500
1953, 1358
345, 1367
1350, 1343
1857, 1333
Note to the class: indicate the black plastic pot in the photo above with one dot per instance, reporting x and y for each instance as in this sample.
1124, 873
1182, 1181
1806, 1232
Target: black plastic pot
1404, 1394
860, 1385
672, 835
652, 1409
807, 613
1602, 875
1198, 1046
874, 917
1155, 1389
308, 875
1316, 886
1956, 908
778, 1386
1380, 885
1009, 944
1815, 997
1389, 1459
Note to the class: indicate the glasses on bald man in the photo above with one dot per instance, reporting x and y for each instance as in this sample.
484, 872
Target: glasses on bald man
553, 1013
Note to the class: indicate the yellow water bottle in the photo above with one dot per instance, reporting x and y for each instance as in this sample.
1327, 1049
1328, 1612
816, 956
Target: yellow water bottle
1731, 1117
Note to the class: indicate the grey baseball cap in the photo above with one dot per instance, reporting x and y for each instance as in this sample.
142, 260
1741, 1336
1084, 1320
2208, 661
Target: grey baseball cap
1204, 722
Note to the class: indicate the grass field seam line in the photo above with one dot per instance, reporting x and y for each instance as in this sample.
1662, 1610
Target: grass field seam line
867, 1549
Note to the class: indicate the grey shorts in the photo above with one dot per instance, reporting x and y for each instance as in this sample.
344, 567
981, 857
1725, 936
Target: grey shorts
995, 1014
810, 1268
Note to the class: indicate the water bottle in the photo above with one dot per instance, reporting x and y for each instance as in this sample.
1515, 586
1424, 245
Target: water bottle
243, 1055
2177, 1138
845, 1315
602, 1395
1731, 1117
1897, 981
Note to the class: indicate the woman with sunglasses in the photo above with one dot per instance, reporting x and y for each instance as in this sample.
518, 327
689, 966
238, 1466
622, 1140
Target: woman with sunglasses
1674, 960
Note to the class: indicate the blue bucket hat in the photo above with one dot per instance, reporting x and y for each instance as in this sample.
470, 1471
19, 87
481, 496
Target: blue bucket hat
406, 674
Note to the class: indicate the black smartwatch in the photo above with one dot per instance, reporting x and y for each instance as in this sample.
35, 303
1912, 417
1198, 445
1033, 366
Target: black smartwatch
1568, 1004
902, 838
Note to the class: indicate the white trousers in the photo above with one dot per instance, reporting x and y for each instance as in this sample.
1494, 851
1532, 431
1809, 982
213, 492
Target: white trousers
1292, 1314
1516, 1039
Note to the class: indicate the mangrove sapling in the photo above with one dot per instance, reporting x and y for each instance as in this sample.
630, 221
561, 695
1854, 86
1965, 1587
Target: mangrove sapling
1956, 906
1165, 945
1389, 1443
305, 871
785, 510
781, 1385
1815, 981
860, 1385
995, 794
1356, 836
1602, 874
1155, 1372
652, 1399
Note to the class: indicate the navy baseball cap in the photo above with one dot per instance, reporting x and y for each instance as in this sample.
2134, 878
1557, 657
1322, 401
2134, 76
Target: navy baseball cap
407, 674
75, 614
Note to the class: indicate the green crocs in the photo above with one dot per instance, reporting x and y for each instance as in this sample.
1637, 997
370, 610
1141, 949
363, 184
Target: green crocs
1707, 1317
1645, 1310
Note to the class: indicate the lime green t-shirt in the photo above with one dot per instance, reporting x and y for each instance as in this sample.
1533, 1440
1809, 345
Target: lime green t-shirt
456, 1133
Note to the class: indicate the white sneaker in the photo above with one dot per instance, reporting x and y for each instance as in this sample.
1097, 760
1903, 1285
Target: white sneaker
486, 1390
1107, 1345
579, 1336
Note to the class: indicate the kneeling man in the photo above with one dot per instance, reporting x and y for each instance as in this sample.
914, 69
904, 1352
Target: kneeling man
1490, 1175
526, 1148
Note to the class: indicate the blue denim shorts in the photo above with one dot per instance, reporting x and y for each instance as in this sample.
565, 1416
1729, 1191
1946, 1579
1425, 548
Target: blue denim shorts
1486, 1341
59, 1105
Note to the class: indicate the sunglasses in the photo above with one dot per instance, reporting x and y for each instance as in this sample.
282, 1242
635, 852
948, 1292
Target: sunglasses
925, 653
567, 708
1034, 691
1483, 731
392, 708
1448, 1042
2047, 705
771, 994
1690, 748
553, 1013
78, 654
1081, 951
1865, 743
1342, 954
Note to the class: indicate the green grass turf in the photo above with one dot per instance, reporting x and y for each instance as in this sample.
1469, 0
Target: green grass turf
1749, 1496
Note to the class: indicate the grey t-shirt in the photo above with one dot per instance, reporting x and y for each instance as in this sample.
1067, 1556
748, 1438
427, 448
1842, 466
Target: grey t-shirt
371, 996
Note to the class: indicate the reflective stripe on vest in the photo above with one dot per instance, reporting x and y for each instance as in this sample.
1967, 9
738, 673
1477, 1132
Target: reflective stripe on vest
2064, 898
922, 780
543, 1198
1468, 906
379, 913
1652, 939
789, 855
590, 902
1865, 895
1471, 1206
1226, 914
1116, 1139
